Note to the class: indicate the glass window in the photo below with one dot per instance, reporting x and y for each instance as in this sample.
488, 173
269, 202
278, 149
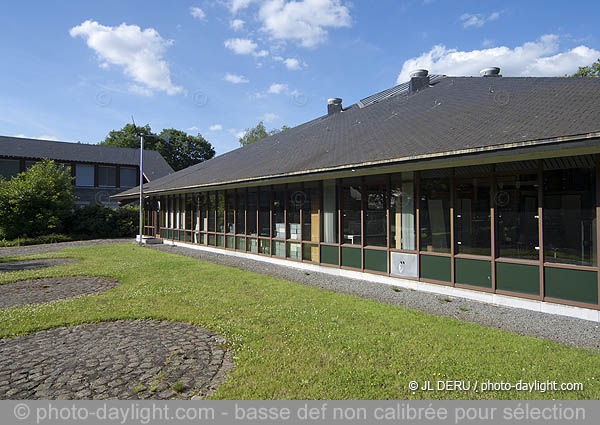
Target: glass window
402, 212
278, 213
330, 213
29, 164
84, 175
10, 168
107, 176
221, 212
230, 211
212, 201
240, 212
472, 222
264, 211
294, 250
434, 220
351, 204
311, 204
570, 211
251, 228
517, 212
202, 217
189, 208
127, 176
296, 199
375, 212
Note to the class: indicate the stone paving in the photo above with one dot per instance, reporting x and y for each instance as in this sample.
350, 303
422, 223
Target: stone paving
126, 359
51, 289
14, 266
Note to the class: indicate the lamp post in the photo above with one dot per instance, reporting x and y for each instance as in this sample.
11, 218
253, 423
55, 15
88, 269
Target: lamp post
141, 187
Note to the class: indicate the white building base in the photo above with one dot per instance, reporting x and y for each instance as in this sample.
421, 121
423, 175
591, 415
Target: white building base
495, 299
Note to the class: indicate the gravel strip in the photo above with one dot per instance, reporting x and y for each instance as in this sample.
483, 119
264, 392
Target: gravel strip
126, 359
51, 289
52, 247
561, 329
15, 266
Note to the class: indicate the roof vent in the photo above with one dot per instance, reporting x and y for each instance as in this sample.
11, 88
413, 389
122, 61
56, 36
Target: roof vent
334, 105
493, 71
419, 80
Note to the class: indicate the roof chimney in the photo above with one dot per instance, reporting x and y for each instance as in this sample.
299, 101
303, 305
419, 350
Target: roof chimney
334, 105
493, 71
419, 80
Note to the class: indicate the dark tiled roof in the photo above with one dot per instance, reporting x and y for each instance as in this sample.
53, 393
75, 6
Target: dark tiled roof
155, 165
455, 114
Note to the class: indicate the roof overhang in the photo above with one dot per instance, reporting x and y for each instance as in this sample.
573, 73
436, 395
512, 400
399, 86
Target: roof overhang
534, 149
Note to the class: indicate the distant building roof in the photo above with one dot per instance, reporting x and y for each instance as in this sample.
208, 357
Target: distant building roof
454, 116
155, 165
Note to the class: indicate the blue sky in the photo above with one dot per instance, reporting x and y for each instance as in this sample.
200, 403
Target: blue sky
74, 70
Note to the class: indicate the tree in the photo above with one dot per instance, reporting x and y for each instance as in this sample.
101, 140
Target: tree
182, 150
178, 148
259, 132
592, 70
37, 201
129, 137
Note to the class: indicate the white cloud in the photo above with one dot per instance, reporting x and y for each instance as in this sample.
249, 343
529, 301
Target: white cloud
269, 117
235, 79
215, 127
477, 20
237, 24
541, 58
292, 63
241, 46
261, 54
277, 88
303, 21
142, 91
197, 13
47, 137
237, 5
139, 52
194, 128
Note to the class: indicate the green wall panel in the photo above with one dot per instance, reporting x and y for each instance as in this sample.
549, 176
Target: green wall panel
240, 244
351, 257
329, 255
376, 260
435, 267
163, 233
170, 234
571, 285
473, 272
523, 278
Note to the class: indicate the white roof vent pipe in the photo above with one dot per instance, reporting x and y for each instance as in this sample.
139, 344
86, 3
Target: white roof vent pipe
492, 71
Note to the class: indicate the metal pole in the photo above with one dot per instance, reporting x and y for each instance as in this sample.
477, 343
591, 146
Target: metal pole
141, 187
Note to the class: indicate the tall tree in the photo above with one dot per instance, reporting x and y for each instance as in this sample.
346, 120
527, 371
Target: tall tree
183, 150
592, 70
178, 148
259, 132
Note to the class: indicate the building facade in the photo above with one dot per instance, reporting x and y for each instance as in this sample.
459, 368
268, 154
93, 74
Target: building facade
98, 171
515, 216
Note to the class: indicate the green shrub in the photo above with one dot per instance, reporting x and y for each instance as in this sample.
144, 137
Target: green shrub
97, 221
44, 239
36, 202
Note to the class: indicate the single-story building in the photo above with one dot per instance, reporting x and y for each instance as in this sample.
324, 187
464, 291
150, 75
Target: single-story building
98, 171
484, 187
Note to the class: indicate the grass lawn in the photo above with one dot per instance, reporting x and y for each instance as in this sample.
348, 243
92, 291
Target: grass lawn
298, 342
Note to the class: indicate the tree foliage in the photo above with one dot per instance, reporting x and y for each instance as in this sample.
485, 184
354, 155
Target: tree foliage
592, 70
37, 201
178, 148
182, 150
259, 132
